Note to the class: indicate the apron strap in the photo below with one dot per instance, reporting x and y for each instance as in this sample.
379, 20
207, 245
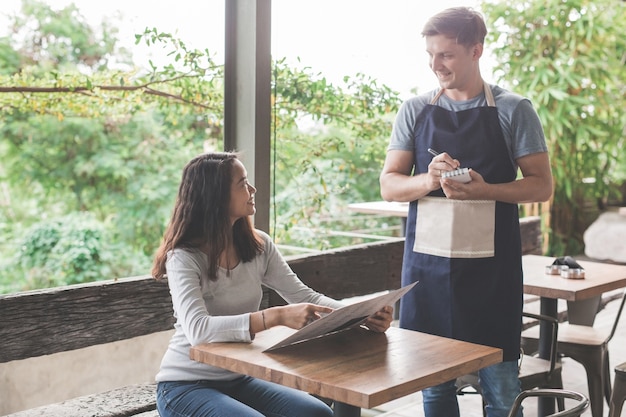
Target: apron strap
434, 100
491, 102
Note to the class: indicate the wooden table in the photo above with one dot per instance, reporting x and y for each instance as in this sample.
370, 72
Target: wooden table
599, 278
356, 368
385, 208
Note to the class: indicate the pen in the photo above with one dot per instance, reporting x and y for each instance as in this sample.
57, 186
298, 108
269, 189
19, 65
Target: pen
435, 153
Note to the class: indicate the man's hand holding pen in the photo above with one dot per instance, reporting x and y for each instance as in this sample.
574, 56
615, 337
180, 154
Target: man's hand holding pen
442, 162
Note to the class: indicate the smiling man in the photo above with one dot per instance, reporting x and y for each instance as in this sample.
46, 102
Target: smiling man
462, 237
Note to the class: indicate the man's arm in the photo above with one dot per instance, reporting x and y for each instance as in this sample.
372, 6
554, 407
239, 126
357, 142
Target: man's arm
534, 186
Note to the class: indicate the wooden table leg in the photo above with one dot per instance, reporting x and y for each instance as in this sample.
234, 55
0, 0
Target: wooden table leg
548, 306
345, 410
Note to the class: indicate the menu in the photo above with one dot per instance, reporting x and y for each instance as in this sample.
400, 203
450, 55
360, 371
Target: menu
344, 318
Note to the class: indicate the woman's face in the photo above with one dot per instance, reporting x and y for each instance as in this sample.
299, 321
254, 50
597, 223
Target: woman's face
241, 194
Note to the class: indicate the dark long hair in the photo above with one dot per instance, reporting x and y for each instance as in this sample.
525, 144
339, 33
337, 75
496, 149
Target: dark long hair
201, 215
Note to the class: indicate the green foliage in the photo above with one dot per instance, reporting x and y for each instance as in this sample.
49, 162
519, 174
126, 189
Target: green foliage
358, 104
71, 249
84, 135
568, 57
78, 136
64, 38
128, 168
9, 58
329, 149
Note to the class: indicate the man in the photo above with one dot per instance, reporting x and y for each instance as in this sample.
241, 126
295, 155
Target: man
463, 238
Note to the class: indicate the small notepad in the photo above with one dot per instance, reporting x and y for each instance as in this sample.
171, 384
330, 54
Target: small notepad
460, 174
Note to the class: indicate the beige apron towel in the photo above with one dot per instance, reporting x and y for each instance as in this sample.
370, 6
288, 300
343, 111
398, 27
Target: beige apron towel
455, 228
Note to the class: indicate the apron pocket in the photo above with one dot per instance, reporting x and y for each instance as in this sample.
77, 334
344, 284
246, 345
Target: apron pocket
455, 228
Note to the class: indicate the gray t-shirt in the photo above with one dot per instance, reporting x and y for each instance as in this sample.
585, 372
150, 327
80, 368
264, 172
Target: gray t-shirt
219, 311
520, 123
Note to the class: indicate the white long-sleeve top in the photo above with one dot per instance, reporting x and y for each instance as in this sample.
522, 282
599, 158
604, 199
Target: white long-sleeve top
219, 311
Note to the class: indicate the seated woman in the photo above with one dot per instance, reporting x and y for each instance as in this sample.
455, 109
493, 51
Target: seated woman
216, 262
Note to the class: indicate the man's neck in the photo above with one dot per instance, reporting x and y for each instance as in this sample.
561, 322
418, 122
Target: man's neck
474, 89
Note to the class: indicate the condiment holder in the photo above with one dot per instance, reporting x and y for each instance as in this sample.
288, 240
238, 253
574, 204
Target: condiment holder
566, 267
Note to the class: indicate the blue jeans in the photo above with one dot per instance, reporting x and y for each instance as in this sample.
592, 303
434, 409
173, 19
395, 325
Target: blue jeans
499, 384
242, 397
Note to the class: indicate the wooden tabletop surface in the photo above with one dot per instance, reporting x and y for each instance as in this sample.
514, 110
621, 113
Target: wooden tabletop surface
385, 208
356, 367
599, 278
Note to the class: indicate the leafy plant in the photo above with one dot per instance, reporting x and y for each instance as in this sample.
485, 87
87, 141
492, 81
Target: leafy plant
108, 141
569, 57
71, 249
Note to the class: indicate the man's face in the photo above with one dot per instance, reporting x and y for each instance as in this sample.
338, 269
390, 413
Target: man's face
454, 65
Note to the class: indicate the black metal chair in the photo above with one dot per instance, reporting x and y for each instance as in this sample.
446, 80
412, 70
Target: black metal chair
534, 372
582, 402
618, 396
588, 346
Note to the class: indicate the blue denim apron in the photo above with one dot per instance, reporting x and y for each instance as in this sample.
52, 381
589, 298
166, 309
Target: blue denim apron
464, 292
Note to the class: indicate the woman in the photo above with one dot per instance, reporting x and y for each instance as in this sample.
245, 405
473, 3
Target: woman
216, 263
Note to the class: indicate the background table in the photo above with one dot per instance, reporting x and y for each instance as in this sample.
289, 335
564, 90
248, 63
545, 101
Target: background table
355, 368
599, 278
386, 208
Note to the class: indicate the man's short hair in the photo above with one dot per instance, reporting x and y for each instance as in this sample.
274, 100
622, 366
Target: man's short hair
464, 24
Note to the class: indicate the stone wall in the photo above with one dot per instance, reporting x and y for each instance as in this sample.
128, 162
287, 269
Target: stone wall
605, 238
52, 378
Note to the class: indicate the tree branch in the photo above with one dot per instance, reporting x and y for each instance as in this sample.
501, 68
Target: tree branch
83, 90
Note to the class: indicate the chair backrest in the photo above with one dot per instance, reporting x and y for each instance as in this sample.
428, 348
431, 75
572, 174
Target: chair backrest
617, 317
582, 402
554, 325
